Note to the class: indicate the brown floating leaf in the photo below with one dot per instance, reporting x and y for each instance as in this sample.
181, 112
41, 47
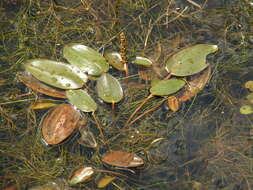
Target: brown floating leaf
105, 181
59, 123
195, 85
81, 175
122, 159
173, 103
41, 87
42, 104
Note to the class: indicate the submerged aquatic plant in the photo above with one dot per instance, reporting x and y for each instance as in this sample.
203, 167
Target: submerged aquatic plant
40, 28
58, 124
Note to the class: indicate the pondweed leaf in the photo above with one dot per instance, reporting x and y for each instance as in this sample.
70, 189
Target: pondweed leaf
166, 87
122, 159
249, 85
82, 100
246, 109
104, 181
190, 61
143, 61
55, 73
115, 60
81, 175
59, 123
195, 85
109, 89
173, 103
250, 97
40, 87
86, 58
42, 104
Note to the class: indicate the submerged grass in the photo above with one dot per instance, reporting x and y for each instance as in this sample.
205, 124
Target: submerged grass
207, 144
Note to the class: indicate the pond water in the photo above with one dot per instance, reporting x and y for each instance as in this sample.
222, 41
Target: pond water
206, 144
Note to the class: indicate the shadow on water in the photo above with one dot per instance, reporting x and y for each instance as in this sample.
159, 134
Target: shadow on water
207, 144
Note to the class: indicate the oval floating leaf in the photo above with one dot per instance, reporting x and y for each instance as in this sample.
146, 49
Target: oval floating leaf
143, 61
249, 85
122, 159
173, 103
190, 61
42, 104
246, 109
85, 58
115, 60
109, 88
82, 100
250, 97
59, 123
40, 87
56, 74
103, 182
81, 175
166, 87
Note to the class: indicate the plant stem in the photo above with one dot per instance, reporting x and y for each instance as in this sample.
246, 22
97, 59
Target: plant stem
148, 111
138, 108
98, 125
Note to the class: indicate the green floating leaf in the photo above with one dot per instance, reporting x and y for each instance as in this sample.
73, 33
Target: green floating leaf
250, 97
190, 61
166, 87
55, 73
114, 59
109, 88
249, 85
86, 58
82, 100
143, 61
246, 110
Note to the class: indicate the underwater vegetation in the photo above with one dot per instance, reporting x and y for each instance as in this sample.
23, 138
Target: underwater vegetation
126, 94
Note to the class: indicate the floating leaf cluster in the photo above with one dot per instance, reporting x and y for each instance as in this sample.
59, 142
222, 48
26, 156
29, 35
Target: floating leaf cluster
187, 74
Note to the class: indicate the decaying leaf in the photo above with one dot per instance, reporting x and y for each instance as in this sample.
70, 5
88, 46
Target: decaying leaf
122, 159
42, 104
173, 103
81, 175
103, 182
41, 87
59, 123
195, 85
